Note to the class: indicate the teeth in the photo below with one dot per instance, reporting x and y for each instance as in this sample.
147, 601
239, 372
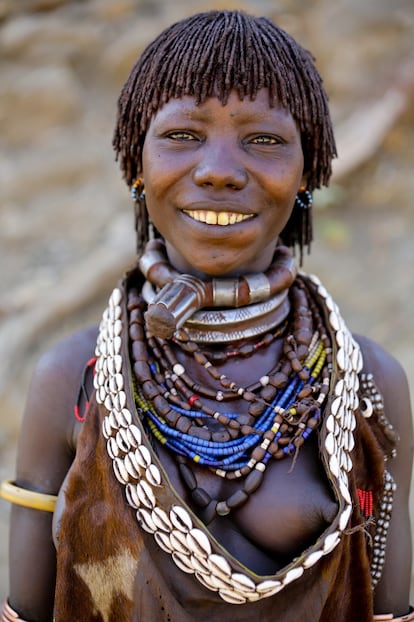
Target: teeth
217, 218
223, 218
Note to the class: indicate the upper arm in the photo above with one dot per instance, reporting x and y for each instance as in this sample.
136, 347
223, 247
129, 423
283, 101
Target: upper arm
392, 591
45, 453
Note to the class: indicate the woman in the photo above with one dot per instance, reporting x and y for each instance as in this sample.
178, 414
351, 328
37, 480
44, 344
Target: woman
234, 451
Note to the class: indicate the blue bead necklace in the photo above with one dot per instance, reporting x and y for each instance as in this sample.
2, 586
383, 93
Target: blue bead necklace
283, 406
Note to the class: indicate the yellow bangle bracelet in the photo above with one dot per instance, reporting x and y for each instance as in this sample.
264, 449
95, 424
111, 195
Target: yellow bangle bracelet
28, 498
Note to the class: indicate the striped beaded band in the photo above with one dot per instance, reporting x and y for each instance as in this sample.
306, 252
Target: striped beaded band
174, 527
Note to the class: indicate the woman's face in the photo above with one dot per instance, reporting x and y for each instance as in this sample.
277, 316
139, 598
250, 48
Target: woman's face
221, 181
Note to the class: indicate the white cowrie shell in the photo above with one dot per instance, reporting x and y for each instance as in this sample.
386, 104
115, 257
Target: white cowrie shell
242, 582
219, 565
116, 297
344, 518
180, 518
163, 541
132, 496
330, 542
143, 456
183, 562
134, 435
117, 345
161, 519
153, 475
145, 494
132, 466
232, 597
179, 542
313, 558
124, 418
268, 586
293, 574
334, 320
112, 448
120, 471
198, 542
144, 519
117, 363
345, 492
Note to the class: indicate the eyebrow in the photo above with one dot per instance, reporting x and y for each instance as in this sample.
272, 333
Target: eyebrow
196, 113
199, 114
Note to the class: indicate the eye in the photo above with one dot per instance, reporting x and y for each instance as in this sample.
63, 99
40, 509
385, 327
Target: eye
181, 136
265, 139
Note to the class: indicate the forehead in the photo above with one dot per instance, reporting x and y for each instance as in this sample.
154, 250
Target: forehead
246, 110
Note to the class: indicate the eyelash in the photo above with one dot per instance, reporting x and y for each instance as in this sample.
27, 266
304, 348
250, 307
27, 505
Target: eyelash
181, 135
264, 139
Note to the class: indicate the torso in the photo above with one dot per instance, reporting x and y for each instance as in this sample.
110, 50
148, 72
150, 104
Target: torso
284, 516
290, 509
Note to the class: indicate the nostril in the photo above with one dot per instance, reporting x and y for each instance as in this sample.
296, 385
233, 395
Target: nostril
219, 177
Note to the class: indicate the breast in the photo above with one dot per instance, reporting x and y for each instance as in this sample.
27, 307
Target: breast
290, 510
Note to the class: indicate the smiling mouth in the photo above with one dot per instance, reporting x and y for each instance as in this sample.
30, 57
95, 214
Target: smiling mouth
223, 219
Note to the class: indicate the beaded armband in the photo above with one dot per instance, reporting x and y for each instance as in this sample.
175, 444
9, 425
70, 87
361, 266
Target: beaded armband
372, 406
27, 498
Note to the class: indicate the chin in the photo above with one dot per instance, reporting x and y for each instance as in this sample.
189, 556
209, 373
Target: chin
222, 269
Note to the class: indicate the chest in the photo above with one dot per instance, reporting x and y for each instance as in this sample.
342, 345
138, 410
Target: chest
284, 516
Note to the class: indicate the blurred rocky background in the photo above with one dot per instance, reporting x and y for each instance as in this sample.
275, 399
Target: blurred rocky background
66, 227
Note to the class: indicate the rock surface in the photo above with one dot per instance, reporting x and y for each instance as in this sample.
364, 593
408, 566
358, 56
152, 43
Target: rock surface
65, 215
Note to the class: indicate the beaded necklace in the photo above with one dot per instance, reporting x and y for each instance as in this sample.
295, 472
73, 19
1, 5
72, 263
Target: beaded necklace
283, 406
160, 510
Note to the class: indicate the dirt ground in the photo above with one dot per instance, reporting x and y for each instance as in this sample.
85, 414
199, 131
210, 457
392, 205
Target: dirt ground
65, 217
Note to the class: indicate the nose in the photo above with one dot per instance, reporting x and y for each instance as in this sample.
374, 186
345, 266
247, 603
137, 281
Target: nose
219, 168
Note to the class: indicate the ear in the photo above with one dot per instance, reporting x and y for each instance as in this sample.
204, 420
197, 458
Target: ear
303, 183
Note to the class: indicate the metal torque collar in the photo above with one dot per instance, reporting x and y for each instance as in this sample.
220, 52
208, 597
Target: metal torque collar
222, 325
176, 529
182, 296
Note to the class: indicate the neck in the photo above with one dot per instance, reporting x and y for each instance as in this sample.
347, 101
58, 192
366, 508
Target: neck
182, 296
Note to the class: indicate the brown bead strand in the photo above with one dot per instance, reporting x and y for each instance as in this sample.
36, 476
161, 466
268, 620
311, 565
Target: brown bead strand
181, 390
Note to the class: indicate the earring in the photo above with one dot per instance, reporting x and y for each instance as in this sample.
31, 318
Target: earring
138, 190
304, 199
298, 230
143, 225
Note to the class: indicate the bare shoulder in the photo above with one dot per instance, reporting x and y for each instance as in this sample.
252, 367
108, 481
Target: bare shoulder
391, 381
390, 378
45, 445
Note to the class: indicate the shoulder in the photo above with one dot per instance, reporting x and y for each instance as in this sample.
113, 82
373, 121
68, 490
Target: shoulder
58, 373
391, 380
48, 425
389, 376
64, 362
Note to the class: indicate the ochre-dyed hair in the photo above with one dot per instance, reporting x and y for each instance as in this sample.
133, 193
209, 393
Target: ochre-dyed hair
213, 53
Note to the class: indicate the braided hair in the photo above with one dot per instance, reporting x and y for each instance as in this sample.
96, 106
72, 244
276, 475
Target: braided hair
213, 53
